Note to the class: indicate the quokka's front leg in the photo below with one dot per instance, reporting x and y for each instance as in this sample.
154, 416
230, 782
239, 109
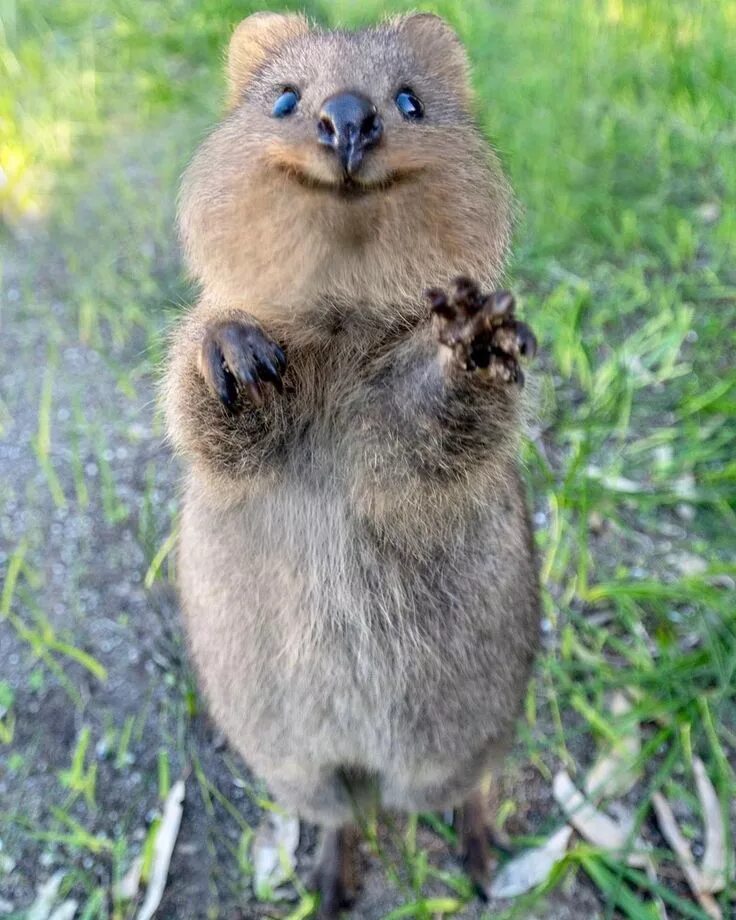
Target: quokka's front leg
481, 345
222, 395
440, 412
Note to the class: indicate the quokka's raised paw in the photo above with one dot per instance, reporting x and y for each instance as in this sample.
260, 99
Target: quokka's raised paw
481, 330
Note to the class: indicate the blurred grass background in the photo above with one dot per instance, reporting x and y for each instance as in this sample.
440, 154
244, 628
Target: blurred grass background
616, 120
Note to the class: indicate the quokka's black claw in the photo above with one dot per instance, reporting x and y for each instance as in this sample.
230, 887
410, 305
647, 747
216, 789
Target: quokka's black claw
216, 372
280, 357
467, 295
527, 340
503, 303
238, 358
511, 372
439, 303
269, 372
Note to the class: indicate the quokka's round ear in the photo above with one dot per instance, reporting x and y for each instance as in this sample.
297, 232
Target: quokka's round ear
436, 43
253, 41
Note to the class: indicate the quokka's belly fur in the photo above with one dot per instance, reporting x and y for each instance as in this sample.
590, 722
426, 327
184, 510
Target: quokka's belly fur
318, 650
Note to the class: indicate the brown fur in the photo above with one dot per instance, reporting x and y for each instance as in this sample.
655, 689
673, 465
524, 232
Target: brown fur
357, 570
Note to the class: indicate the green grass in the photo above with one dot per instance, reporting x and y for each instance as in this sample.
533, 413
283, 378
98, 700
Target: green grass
616, 121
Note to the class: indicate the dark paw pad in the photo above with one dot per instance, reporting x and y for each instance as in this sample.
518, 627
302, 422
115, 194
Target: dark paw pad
481, 330
238, 358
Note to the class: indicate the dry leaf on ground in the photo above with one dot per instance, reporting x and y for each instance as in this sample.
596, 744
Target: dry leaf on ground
713, 864
616, 770
595, 826
531, 868
681, 848
127, 888
163, 850
65, 911
274, 848
45, 897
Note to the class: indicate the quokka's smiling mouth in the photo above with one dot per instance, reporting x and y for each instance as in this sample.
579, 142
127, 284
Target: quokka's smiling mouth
348, 187
316, 172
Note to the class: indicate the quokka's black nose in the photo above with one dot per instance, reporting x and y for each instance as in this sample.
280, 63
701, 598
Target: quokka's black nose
349, 124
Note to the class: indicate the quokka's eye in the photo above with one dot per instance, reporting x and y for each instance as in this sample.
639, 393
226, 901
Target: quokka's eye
286, 103
409, 104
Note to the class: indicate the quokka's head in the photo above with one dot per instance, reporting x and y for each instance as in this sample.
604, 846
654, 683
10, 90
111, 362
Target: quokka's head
348, 169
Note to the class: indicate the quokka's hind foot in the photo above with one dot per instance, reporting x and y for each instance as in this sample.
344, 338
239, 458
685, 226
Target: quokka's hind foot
481, 331
336, 875
473, 828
